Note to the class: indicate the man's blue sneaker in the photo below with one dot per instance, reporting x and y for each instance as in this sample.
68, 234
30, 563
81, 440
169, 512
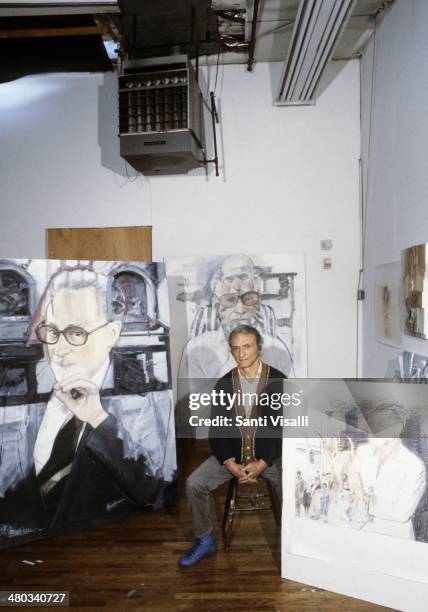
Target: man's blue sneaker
202, 548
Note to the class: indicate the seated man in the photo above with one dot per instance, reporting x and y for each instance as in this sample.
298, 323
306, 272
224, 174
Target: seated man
242, 451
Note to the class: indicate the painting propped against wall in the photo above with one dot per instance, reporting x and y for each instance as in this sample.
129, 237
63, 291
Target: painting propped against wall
212, 295
415, 276
86, 419
356, 501
387, 303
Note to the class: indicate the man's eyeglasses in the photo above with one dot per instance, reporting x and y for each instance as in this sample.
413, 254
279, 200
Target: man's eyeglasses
75, 335
250, 298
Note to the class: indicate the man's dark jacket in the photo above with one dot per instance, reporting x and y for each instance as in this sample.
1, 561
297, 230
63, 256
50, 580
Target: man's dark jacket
102, 484
226, 442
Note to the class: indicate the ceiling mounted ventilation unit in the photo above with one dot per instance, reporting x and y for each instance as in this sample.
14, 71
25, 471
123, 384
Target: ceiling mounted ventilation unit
161, 115
318, 26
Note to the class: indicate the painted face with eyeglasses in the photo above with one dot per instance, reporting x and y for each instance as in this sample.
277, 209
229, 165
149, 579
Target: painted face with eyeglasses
77, 334
237, 293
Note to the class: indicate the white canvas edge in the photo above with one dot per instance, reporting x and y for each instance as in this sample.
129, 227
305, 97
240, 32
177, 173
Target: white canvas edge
368, 586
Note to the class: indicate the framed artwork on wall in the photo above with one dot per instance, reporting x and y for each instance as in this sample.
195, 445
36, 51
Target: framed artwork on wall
415, 291
387, 303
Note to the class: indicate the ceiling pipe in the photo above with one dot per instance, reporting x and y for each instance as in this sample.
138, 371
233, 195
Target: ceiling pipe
253, 36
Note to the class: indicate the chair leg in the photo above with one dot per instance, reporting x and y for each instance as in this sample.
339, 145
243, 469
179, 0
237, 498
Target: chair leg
229, 513
274, 502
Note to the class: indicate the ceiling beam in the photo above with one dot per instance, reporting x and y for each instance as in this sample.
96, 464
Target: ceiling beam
46, 9
53, 32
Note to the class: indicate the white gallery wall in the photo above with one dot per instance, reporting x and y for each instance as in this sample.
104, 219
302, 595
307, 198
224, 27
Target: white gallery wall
395, 154
289, 179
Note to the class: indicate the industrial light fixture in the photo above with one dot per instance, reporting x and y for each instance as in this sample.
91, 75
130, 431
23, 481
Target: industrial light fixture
318, 26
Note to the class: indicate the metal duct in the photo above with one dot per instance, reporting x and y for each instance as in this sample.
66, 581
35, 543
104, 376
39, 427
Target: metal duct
318, 26
161, 115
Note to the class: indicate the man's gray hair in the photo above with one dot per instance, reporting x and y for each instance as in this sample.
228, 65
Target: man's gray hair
247, 329
82, 278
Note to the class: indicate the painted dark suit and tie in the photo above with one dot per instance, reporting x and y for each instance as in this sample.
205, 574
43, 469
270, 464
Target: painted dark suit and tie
86, 421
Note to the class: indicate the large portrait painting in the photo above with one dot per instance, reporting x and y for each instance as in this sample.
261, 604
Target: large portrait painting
86, 419
210, 296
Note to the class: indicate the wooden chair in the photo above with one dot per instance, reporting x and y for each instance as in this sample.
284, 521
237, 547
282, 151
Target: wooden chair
255, 499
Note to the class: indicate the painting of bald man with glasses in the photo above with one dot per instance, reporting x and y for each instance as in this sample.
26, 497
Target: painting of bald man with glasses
87, 448
213, 295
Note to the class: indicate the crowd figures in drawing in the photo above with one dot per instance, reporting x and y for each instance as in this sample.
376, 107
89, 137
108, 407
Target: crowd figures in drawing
376, 484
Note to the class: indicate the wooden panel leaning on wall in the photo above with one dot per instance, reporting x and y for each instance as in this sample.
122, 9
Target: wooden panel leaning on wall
102, 243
